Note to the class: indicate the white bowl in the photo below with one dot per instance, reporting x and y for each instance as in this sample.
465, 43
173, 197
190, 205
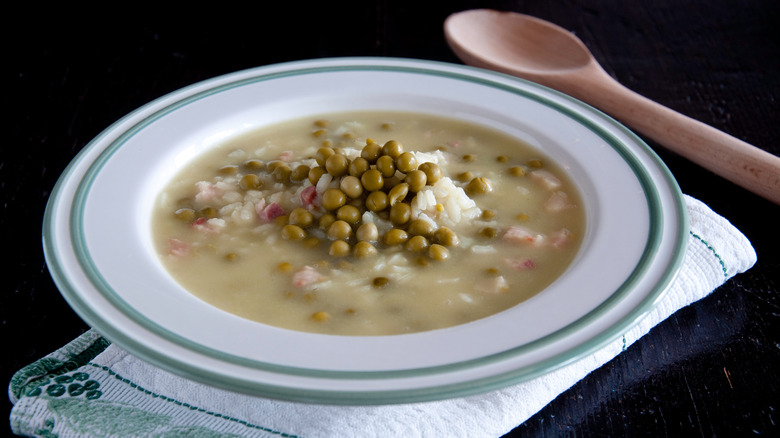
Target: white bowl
97, 237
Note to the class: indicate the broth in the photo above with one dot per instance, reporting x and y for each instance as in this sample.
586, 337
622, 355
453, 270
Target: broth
247, 229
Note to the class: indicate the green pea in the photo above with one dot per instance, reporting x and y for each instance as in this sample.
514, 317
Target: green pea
364, 249
185, 214
464, 176
337, 165
488, 232
315, 173
416, 180
281, 220
446, 237
417, 244
393, 148
339, 248
326, 220
406, 162
419, 227
372, 180
517, 171
376, 201
207, 212
432, 171
230, 169
339, 230
398, 193
300, 173
395, 236
368, 232
293, 232
349, 214
478, 186
371, 151
535, 163
386, 166
281, 173
250, 181
400, 213
351, 186
254, 165
322, 155
333, 199
274, 164
438, 252
311, 242
358, 166
390, 183
301, 217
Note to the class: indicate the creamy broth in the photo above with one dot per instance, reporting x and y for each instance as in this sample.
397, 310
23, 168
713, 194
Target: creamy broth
500, 224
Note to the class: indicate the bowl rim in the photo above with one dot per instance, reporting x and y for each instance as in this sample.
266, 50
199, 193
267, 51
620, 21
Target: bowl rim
572, 108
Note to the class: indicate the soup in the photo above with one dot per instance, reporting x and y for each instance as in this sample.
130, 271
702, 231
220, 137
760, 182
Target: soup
368, 223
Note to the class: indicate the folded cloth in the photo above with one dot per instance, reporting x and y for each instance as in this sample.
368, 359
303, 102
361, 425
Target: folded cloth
91, 387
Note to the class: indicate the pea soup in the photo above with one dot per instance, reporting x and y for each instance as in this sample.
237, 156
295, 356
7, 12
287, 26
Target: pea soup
368, 223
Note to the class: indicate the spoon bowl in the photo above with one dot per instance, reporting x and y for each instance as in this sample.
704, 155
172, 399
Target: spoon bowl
521, 41
545, 53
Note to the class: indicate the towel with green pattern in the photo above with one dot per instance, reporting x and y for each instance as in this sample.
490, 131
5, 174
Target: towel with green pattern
91, 387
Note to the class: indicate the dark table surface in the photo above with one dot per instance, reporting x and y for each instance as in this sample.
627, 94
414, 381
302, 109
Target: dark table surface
709, 370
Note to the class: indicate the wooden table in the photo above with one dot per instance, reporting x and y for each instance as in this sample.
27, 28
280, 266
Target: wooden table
709, 370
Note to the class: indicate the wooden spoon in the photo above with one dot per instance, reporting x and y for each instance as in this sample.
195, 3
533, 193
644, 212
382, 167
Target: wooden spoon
545, 53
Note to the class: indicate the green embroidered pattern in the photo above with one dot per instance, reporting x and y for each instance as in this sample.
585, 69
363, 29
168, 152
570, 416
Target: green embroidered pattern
38, 373
189, 406
77, 403
717, 256
73, 386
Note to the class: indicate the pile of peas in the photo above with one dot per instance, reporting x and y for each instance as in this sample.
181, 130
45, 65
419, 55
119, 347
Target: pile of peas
383, 180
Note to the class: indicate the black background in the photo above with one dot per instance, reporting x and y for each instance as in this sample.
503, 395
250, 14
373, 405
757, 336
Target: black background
709, 370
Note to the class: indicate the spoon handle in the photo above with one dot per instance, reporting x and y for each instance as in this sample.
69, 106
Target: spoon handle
735, 160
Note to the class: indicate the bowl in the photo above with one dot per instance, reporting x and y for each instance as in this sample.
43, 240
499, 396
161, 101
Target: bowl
98, 244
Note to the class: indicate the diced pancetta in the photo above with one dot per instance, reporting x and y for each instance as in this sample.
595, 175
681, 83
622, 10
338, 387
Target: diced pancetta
310, 198
306, 277
560, 238
557, 202
178, 247
267, 213
522, 234
547, 179
212, 226
207, 192
521, 263
286, 156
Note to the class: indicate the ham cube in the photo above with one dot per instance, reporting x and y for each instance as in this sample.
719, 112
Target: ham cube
178, 247
522, 234
306, 277
521, 264
267, 213
546, 179
557, 202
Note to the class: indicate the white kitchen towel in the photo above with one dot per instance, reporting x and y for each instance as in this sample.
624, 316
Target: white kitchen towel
93, 388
